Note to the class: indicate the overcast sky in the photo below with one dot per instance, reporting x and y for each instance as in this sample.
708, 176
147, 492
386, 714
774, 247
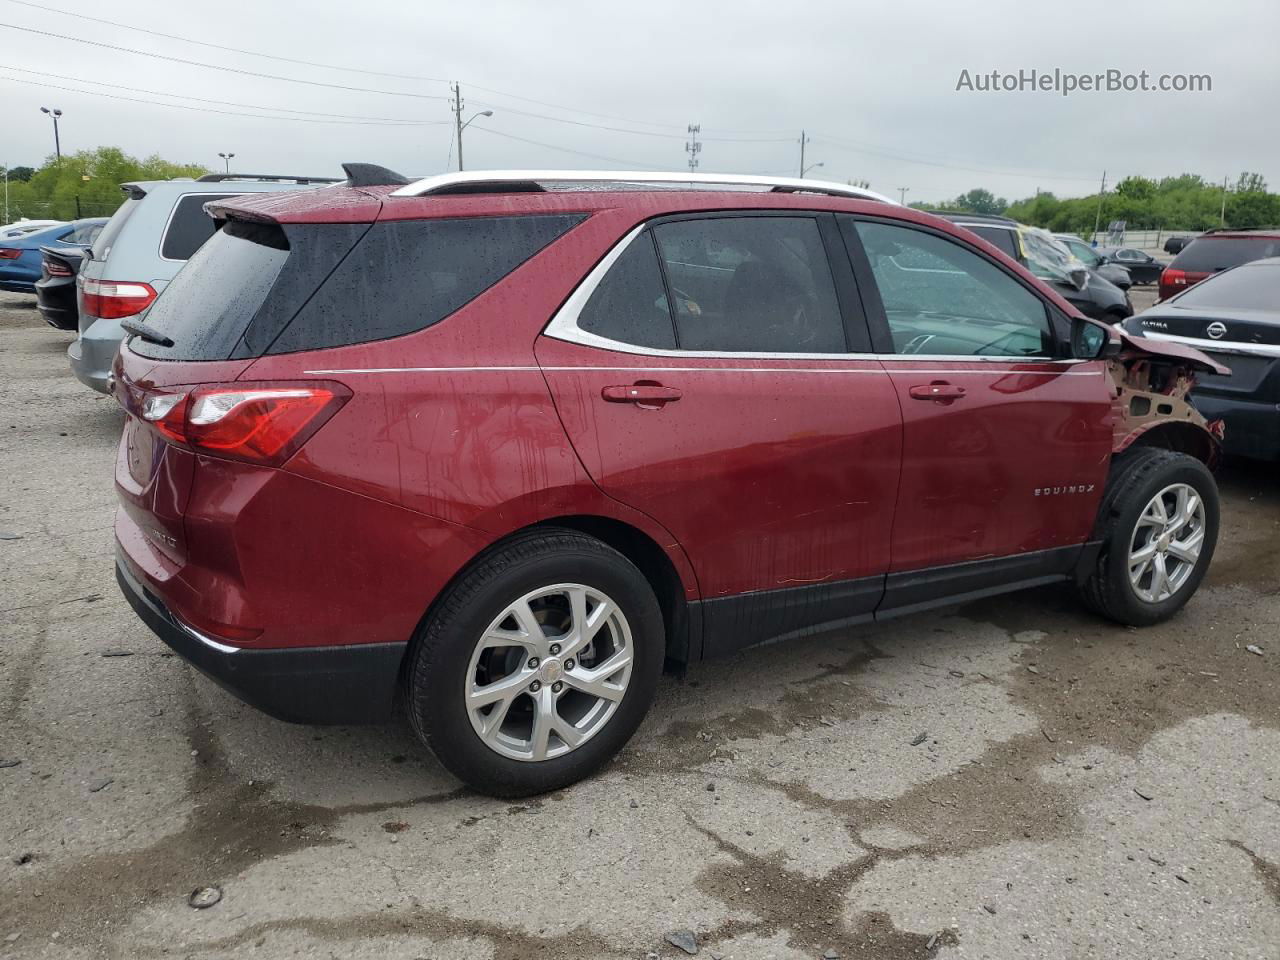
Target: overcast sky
874, 84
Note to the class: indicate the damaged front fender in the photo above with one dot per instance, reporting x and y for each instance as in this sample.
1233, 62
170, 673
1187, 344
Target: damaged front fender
1151, 382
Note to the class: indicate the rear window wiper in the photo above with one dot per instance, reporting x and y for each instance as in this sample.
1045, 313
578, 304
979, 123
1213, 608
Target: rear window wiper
147, 332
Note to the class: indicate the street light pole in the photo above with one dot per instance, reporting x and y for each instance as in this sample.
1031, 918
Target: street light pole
226, 159
457, 117
57, 143
804, 171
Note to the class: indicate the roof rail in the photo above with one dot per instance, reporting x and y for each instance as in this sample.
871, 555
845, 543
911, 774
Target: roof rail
219, 177
531, 181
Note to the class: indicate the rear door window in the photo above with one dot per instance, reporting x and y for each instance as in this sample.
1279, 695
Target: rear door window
189, 226
630, 305
1207, 254
751, 285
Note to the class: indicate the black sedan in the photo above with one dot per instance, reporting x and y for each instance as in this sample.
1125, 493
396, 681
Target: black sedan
1234, 317
56, 288
1142, 267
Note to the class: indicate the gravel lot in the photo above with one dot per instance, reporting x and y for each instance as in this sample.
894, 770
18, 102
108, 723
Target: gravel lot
1081, 790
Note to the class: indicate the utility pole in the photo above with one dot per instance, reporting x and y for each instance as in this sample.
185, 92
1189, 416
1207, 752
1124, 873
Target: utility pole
1098, 217
1224, 201
803, 140
457, 118
692, 147
902, 195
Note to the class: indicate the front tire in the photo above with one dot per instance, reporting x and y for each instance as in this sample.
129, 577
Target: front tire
537, 664
1159, 526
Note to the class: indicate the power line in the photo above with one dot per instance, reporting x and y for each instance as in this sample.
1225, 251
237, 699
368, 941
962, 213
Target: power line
634, 164
217, 46
218, 66
879, 151
227, 103
642, 133
230, 113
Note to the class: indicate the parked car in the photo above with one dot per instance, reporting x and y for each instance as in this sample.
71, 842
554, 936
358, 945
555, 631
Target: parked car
21, 228
1214, 251
1233, 317
1142, 267
154, 232
56, 288
1036, 250
496, 450
1111, 272
1175, 244
20, 256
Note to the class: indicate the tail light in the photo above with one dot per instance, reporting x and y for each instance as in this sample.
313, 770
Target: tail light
8, 253
56, 268
258, 423
111, 300
1173, 278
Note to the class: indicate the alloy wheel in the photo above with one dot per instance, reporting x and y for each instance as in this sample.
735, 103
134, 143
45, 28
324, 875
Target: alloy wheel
1166, 543
549, 672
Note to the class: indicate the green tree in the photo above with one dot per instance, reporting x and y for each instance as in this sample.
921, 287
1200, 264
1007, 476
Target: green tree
87, 183
979, 200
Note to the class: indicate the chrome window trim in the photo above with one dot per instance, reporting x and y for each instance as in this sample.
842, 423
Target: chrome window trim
564, 326
443, 183
1217, 346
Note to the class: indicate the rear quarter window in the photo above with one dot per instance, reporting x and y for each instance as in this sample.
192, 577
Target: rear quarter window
999, 238
407, 275
1207, 254
189, 226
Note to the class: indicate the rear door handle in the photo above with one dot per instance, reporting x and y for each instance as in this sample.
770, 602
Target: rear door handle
939, 391
653, 395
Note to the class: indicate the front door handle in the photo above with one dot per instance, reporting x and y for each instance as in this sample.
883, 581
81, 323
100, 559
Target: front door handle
649, 395
939, 391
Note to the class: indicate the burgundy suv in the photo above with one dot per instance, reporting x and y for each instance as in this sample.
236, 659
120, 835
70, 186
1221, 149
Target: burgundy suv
495, 446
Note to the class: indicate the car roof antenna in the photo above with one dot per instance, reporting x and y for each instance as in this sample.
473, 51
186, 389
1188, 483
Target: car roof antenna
372, 175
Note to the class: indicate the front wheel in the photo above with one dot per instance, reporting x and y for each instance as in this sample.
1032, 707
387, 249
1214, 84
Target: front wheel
1159, 526
537, 665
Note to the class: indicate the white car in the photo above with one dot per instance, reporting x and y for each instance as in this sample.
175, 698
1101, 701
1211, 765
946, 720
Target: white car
20, 227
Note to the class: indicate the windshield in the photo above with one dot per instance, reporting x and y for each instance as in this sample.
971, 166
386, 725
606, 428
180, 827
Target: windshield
1083, 251
1046, 257
1255, 286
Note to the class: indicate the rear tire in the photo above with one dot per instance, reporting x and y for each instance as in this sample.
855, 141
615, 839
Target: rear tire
564, 635
1159, 525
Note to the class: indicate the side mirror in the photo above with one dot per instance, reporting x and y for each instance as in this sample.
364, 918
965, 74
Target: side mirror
1090, 340
1079, 277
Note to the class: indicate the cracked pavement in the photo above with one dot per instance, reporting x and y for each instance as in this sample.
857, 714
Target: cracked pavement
1081, 790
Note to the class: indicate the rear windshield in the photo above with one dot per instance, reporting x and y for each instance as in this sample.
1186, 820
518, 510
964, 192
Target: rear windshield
1206, 254
1253, 287
255, 289
102, 243
189, 226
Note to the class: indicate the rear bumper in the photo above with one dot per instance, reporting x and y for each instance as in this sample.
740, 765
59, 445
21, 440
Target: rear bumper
18, 286
1252, 426
93, 353
322, 685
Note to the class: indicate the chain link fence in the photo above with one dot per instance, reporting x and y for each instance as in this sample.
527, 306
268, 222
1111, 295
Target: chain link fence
72, 209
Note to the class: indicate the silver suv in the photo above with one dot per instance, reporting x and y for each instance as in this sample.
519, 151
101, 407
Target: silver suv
142, 247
